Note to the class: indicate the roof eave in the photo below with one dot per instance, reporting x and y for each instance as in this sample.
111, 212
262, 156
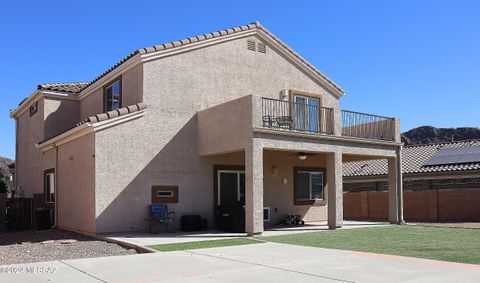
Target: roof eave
109, 74
85, 129
35, 96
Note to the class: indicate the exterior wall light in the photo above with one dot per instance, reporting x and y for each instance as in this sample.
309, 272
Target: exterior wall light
285, 180
302, 156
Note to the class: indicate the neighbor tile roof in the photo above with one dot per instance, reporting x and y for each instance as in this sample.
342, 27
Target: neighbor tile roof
72, 88
413, 160
114, 113
75, 88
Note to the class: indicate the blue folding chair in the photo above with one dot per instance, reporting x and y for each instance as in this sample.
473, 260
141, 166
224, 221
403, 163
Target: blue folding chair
159, 215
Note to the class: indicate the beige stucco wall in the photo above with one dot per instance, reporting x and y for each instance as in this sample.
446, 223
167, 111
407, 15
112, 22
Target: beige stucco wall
132, 92
76, 184
48, 160
28, 161
91, 104
54, 116
60, 115
161, 147
226, 127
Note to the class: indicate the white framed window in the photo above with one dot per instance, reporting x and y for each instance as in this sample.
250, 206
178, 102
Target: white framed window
164, 194
49, 186
266, 214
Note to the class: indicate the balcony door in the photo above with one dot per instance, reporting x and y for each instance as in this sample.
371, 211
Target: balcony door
307, 113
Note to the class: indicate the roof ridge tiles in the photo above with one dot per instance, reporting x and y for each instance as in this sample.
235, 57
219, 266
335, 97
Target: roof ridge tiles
194, 39
442, 143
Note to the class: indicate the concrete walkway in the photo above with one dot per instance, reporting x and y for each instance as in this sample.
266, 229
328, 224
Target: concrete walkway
148, 239
264, 262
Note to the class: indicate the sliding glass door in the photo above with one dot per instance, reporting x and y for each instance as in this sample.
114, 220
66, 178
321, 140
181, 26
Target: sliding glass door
307, 115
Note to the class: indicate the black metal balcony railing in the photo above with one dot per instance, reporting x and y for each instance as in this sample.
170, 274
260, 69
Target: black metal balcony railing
356, 124
288, 115
293, 116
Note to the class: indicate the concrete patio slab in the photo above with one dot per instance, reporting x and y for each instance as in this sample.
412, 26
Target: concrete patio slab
148, 239
265, 262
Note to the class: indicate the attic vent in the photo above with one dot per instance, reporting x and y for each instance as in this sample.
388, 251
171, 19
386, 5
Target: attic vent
262, 48
251, 45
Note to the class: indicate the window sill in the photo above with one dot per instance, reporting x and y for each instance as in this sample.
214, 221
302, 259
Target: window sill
313, 202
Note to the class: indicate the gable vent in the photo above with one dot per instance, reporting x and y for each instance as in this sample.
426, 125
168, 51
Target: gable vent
262, 48
251, 45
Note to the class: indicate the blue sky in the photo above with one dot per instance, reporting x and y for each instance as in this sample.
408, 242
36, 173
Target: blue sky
417, 60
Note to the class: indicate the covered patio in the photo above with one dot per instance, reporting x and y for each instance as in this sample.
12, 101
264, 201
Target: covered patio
294, 169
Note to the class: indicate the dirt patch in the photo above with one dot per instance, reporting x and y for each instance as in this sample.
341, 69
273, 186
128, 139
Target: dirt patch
48, 245
471, 225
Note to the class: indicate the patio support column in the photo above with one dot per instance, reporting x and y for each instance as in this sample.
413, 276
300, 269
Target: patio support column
395, 189
254, 188
335, 190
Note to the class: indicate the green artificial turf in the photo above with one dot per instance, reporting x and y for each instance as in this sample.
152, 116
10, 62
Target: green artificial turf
448, 244
203, 244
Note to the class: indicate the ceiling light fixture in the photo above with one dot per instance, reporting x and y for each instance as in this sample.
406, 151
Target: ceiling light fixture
302, 156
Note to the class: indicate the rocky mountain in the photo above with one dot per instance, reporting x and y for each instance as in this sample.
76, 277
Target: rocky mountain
429, 134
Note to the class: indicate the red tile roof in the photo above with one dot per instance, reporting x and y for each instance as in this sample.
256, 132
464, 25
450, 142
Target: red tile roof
413, 160
114, 113
71, 88
76, 88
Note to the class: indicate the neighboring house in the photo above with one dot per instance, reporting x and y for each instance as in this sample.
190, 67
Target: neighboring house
441, 183
229, 118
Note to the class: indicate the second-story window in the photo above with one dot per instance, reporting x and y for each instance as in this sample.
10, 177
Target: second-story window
113, 96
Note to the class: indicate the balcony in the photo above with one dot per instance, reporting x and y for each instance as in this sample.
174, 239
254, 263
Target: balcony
230, 126
305, 118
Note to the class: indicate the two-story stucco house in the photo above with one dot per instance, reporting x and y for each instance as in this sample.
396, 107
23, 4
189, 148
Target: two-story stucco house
229, 118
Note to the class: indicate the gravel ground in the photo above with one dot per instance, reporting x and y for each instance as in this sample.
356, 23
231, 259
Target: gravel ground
27, 246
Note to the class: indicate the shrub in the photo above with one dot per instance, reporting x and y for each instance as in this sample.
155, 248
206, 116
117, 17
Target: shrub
3, 186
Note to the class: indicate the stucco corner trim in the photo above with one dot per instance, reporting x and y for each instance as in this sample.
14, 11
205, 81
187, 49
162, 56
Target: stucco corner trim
99, 126
65, 137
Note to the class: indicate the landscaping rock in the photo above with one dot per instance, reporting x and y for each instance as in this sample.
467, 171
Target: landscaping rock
34, 246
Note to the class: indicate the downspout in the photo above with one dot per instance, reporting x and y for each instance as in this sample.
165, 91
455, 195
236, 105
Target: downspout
55, 175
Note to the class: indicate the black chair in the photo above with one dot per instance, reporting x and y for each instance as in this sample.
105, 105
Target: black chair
269, 121
285, 122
